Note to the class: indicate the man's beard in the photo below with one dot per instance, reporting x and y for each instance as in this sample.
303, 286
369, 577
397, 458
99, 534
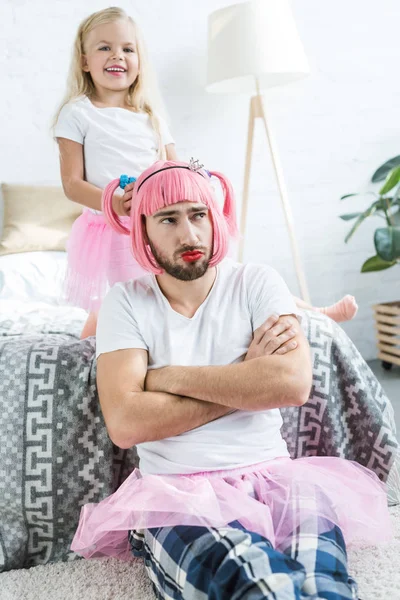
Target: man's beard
188, 272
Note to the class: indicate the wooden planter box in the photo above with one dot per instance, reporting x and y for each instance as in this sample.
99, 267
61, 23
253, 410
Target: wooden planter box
387, 324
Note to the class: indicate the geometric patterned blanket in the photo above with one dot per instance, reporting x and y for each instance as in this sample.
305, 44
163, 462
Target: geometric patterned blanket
55, 454
348, 414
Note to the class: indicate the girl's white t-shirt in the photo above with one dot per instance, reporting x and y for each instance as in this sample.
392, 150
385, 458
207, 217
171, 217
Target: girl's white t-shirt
115, 141
136, 314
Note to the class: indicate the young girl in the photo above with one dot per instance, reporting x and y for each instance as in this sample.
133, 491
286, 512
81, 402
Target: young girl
107, 124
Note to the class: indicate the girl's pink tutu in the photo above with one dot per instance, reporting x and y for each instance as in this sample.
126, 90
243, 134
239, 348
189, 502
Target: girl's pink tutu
271, 498
98, 257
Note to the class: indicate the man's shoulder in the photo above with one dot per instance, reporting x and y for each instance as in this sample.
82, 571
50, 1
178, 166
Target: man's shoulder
132, 291
249, 271
262, 273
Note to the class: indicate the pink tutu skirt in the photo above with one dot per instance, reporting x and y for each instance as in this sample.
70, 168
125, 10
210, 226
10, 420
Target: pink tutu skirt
273, 499
98, 257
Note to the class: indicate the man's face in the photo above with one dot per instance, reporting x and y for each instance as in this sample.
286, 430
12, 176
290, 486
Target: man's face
180, 237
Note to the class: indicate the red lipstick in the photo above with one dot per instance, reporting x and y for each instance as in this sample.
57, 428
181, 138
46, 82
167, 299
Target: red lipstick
192, 256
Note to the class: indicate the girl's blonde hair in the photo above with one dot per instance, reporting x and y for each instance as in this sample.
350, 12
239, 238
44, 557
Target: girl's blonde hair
143, 94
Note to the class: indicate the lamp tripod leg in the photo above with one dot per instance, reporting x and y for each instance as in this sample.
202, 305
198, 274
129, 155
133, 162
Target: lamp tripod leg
285, 204
247, 169
257, 110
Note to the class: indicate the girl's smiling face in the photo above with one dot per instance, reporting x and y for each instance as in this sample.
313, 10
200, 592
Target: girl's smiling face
111, 56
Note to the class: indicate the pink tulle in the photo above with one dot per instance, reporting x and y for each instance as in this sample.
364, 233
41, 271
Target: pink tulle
272, 498
98, 257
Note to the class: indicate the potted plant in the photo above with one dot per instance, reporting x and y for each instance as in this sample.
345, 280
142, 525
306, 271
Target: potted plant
386, 205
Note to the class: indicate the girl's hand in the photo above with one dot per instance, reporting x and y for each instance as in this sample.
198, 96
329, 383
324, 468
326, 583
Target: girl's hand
275, 336
122, 204
127, 198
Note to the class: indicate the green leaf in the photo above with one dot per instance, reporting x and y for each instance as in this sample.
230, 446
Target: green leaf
381, 173
387, 243
358, 194
350, 216
375, 263
392, 180
367, 213
348, 196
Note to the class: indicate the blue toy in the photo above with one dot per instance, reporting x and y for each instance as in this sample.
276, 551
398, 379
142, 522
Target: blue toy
124, 180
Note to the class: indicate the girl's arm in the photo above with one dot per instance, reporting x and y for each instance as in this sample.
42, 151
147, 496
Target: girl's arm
72, 177
171, 152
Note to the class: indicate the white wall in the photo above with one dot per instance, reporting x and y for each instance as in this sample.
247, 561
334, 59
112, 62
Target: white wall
333, 129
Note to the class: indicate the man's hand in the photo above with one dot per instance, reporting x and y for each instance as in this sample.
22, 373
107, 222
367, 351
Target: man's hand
274, 336
122, 204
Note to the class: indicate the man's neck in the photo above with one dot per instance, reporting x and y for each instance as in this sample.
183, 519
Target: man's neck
185, 297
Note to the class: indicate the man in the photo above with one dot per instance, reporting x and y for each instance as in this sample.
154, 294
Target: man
194, 362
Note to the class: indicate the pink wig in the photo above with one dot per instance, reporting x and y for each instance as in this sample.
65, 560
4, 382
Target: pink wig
167, 187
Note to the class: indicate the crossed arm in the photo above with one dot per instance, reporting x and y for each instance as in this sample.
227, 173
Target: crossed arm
141, 406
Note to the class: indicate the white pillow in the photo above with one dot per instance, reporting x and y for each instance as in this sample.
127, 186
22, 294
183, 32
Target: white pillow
33, 277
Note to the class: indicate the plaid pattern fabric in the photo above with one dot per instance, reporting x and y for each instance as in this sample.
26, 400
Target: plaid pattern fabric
232, 563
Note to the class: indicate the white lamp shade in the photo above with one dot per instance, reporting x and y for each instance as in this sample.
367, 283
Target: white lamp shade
254, 39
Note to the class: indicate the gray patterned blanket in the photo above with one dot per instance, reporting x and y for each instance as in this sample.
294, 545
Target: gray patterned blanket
55, 454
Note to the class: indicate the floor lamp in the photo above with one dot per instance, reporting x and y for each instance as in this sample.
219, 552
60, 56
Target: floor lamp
253, 46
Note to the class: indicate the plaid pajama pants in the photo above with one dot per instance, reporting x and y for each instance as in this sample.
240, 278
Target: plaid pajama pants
232, 563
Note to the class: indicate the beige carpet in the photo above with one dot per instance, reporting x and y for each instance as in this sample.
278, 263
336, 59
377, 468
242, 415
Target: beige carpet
376, 570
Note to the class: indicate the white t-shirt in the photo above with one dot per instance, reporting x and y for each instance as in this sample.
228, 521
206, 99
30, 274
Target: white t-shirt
115, 141
136, 314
